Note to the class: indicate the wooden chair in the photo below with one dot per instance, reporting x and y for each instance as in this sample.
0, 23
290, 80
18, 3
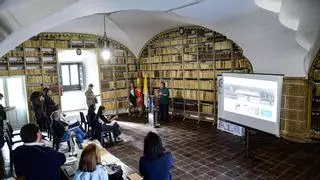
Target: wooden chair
104, 134
84, 122
9, 143
13, 139
13, 133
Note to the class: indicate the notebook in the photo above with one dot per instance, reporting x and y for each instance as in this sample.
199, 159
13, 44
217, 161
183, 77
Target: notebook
134, 176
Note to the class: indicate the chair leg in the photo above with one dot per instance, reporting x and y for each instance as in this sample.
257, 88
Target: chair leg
110, 137
69, 145
101, 139
11, 163
57, 145
53, 143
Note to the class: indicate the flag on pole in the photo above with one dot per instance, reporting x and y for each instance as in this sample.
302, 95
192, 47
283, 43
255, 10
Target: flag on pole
145, 90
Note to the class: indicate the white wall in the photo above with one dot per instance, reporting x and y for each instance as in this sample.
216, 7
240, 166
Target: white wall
75, 100
14, 90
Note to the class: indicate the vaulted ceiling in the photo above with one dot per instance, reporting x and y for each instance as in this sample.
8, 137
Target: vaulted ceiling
277, 36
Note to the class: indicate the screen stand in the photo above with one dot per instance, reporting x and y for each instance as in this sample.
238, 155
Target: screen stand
246, 143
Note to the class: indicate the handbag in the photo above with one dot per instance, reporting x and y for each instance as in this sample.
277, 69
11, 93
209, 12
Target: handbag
114, 172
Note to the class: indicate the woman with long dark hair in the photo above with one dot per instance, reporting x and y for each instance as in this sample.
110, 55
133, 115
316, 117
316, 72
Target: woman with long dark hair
101, 123
109, 123
155, 164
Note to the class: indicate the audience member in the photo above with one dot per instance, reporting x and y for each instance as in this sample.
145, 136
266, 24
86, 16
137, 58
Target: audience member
155, 164
90, 167
91, 113
34, 161
101, 123
62, 129
109, 123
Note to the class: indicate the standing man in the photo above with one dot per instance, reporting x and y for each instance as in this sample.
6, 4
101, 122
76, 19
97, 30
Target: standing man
33, 160
48, 104
91, 98
164, 102
3, 117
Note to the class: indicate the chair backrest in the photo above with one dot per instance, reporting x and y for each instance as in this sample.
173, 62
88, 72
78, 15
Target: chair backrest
88, 120
83, 119
9, 126
8, 139
10, 133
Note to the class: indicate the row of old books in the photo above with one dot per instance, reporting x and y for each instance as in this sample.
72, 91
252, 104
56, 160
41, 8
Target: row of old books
115, 94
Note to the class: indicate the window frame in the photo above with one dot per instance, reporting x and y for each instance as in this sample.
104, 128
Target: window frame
74, 87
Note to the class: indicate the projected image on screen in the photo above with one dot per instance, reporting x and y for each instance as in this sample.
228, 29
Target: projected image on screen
250, 97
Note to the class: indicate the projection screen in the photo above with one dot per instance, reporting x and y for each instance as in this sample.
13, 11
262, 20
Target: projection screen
251, 100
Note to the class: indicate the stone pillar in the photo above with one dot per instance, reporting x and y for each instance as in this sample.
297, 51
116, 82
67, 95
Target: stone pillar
295, 109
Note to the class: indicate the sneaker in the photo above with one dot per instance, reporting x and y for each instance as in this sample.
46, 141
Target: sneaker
119, 139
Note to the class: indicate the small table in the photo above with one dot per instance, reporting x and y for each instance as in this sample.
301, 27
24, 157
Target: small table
106, 159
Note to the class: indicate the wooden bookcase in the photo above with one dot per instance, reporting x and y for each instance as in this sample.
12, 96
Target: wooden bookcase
314, 76
115, 77
36, 59
189, 59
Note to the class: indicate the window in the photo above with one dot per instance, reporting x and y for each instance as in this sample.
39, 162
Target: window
72, 78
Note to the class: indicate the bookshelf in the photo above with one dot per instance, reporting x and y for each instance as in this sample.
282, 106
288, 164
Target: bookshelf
189, 59
36, 59
115, 77
314, 75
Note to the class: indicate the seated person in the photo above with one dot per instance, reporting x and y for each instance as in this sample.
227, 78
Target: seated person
101, 123
155, 164
62, 131
109, 123
34, 161
90, 165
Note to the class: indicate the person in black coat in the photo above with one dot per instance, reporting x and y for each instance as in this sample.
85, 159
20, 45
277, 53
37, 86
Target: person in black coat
48, 104
38, 109
100, 123
34, 161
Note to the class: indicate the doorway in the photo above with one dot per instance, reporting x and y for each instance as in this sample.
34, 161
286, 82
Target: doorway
76, 73
15, 100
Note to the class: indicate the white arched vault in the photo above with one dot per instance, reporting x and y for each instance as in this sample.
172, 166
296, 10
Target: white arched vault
274, 36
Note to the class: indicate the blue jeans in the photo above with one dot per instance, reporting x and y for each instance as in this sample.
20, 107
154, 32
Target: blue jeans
78, 133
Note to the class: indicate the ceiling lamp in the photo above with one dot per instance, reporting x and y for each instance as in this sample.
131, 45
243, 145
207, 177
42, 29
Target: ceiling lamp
79, 52
105, 51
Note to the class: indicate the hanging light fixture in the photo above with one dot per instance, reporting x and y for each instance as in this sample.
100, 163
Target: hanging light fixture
105, 51
78, 51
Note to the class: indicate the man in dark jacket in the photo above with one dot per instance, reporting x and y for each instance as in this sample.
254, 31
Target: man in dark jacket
33, 161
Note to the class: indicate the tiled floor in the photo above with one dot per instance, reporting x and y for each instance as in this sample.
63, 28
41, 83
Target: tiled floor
202, 152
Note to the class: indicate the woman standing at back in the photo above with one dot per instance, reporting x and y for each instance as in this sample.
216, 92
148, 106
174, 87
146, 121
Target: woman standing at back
155, 164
